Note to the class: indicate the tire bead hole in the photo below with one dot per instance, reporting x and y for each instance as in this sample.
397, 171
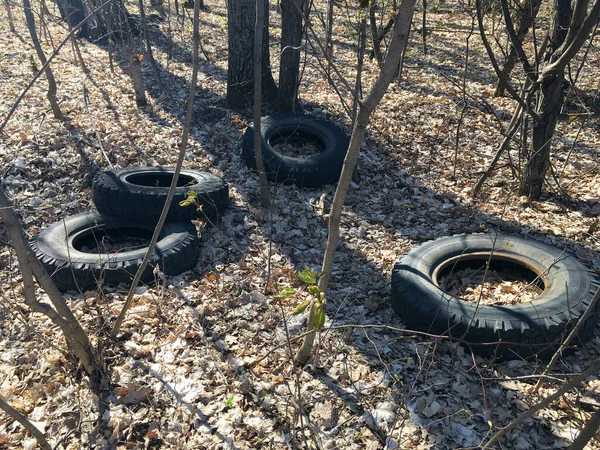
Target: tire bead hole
157, 179
296, 143
506, 282
112, 240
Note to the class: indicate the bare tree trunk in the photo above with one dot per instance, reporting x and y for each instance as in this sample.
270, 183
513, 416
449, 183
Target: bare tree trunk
362, 38
375, 34
149, 53
289, 67
180, 158
329, 31
260, 166
60, 314
64, 6
11, 21
552, 85
135, 73
543, 131
40, 52
365, 109
241, 18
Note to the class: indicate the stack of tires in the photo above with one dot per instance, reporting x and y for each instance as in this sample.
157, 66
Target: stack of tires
78, 252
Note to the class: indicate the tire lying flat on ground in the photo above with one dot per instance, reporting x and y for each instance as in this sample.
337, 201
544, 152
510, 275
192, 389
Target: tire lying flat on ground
312, 171
72, 250
137, 193
534, 327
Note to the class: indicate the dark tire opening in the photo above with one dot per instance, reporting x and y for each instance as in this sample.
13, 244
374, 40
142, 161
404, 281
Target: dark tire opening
508, 268
112, 240
157, 179
294, 143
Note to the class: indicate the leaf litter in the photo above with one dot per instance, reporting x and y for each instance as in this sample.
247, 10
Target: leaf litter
203, 361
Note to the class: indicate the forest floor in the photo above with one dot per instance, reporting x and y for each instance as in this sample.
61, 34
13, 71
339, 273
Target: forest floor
202, 361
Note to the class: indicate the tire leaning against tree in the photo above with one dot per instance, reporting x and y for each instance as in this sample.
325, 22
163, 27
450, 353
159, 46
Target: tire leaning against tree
533, 327
136, 193
313, 171
63, 249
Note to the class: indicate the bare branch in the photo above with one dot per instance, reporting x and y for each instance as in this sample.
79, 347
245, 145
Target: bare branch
516, 43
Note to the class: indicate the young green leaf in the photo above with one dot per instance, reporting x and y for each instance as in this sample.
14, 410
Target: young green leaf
319, 319
185, 203
308, 275
314, 290
300, 308
286, 293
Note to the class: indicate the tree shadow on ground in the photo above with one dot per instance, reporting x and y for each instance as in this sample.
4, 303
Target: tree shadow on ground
388, 201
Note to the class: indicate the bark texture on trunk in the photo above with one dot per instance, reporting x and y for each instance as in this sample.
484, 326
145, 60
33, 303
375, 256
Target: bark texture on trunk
137, 79
289, 68
552, 85
538, 162
241, 16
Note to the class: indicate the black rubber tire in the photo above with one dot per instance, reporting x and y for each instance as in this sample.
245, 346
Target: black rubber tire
534, 327
313, 171
58, 249
140, 192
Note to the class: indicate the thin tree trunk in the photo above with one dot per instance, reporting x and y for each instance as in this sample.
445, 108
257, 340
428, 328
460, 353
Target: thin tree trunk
149, 53
137, 79
362, 38
329, 32
365, 109
64, 6
375, 34
30, 266
260, 166
184, 139
11, 21
289, 67
40, 52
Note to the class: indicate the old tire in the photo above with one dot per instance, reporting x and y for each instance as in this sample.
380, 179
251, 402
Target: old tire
61, 248
525, 329
133, 193
313, 171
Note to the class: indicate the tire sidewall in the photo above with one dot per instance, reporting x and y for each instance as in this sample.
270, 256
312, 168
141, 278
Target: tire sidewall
324, 166
413, 276
56, 241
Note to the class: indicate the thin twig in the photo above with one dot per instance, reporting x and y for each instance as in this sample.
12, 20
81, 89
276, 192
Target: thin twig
588, 311
184, 139
37, 434
593, 370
